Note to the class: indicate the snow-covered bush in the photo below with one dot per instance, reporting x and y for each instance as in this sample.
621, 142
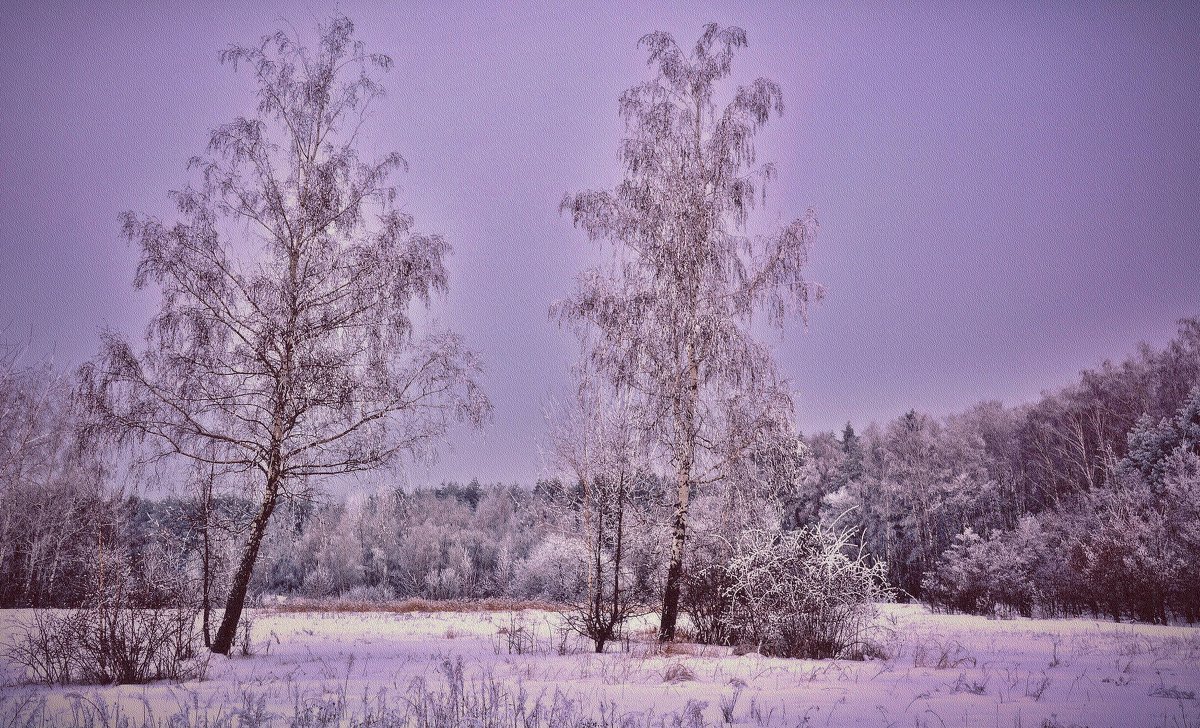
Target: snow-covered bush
706, 603
555, 571
715, 517
804, 593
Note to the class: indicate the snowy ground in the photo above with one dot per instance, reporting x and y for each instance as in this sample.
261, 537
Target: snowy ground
942, 671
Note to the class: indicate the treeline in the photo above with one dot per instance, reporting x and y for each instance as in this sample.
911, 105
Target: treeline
1085, 501
55, 508
449, 542
452, 541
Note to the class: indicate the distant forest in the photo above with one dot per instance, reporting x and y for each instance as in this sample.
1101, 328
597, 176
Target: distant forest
1084, 502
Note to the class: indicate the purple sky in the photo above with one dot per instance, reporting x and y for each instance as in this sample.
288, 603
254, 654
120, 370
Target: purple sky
1007, 194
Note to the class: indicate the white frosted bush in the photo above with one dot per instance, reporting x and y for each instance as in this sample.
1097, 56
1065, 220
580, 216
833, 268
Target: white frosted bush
803, 593
555, 570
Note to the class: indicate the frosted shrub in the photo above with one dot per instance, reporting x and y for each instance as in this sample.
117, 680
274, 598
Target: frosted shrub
555, 570
706, 588
318, 583
804, 593
369, 594
706, 604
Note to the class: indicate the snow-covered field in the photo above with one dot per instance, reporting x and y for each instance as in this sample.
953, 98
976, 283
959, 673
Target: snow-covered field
941, 671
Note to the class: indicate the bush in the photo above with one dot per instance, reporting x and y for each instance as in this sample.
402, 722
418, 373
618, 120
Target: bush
804, 593
706, 603
706, 586
129, 633
109, 644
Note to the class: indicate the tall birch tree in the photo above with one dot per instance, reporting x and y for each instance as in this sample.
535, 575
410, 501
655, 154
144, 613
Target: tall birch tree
673, 311
284, 348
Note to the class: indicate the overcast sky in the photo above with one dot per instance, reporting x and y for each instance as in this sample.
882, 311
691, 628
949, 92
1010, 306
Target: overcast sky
1007, 192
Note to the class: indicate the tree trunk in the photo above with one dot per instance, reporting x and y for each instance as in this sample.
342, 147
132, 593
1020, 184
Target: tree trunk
206, 586
241, 579
619, 605
670, 610
685, 419
597, 605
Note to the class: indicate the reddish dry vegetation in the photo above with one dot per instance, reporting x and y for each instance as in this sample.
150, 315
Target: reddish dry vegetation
410, 606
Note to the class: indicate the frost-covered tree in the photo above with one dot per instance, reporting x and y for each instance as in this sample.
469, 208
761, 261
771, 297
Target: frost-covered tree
823, 471
673, 311
52, 492
599, 444
284, 348
1151, 444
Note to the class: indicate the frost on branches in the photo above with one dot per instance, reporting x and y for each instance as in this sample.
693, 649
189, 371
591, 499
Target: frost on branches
596, 443
672, 312
284, 347
804, 593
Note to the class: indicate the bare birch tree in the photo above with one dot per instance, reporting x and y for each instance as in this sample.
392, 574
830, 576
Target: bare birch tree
284, 348
673, 312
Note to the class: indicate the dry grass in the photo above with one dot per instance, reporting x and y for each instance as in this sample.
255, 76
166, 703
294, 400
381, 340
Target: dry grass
411, 606
678, 672
685, 649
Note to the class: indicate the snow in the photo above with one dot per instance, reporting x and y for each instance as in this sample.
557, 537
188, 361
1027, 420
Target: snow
941, 670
